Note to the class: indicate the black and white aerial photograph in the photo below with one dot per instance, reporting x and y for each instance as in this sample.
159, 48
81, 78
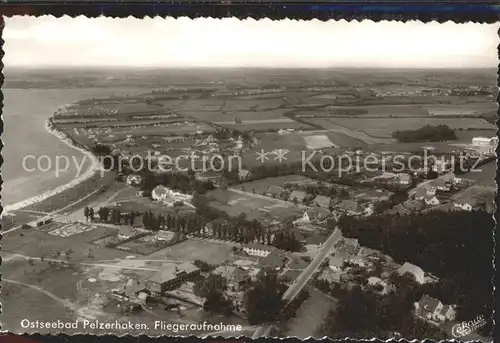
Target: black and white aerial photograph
248, 178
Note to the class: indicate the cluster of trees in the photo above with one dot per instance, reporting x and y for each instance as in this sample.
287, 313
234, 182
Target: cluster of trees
427, 133
263, 301
213, 288
238, 229
286, 240
115, 216
226, 133
364, 314
455, 246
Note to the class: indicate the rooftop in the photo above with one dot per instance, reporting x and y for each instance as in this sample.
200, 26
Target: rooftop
171, 272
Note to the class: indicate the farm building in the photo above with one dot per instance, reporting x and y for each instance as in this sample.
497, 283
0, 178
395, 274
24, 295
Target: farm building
236, 277
322, 201
350, 206
299, 195
172, 277
260, 250
485, 141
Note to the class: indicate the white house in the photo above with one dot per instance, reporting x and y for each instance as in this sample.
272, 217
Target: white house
133, 180
404, 179
431, 200
465, 204
375, 281
484, 142
412, 269
256, 249
162, 193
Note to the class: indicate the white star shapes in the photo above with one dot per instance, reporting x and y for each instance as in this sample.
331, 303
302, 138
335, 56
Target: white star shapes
280, 154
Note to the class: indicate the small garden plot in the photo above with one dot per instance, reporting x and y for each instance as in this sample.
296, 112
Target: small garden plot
147, 245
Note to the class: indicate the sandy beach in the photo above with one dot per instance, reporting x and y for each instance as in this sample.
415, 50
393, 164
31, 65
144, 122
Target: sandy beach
94, 167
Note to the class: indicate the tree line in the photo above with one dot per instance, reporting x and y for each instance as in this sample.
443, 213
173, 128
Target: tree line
455, 246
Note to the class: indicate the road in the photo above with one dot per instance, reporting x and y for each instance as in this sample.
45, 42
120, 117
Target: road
304, 277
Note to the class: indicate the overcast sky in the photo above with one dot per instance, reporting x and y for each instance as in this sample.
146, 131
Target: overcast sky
48, 41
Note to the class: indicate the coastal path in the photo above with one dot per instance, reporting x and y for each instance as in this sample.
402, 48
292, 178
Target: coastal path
58, 211
303, 278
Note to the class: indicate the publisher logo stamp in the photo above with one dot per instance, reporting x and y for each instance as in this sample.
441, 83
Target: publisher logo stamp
465, 328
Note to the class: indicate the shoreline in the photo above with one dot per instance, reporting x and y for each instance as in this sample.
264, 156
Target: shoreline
95, 166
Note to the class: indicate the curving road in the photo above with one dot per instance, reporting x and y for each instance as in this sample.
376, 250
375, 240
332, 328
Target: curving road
304, 277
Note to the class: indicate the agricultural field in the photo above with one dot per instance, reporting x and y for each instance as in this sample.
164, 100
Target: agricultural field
468, 109
265, 125
254, 206
231, 116
373, 111
385, 128
261, 186
204, 105
354, 132
253, 105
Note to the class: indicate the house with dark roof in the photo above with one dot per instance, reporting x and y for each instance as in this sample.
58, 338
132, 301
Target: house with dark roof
432, 309
350, 206
275, 191
299, 195
236, 277
322, 201
276, 260
420, 193
171, 277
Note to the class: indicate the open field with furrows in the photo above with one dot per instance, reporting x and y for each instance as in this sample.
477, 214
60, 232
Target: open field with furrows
205, 105
354, 132
190, 250
265, 125
368, 111
385, 128
253, 105
467, 109
261, 186
231, 116
253, 206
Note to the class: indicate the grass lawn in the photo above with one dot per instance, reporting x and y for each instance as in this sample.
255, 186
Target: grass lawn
262, 185
190, 250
